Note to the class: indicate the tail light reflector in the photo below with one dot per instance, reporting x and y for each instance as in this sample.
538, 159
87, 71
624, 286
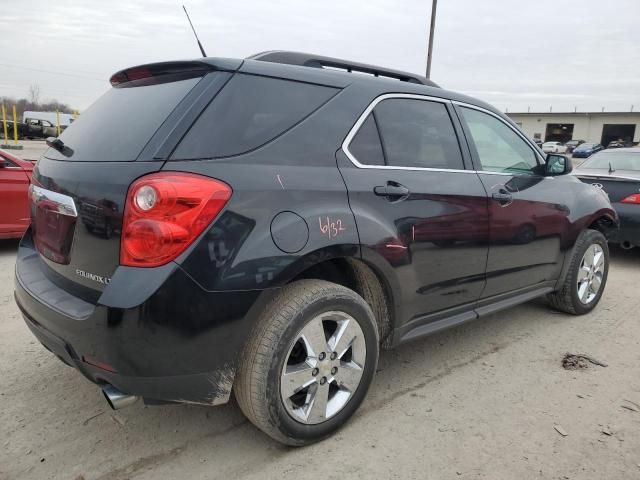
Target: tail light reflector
165, 212
97, 363
634, 198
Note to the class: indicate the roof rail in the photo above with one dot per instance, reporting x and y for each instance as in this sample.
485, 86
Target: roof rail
319, 61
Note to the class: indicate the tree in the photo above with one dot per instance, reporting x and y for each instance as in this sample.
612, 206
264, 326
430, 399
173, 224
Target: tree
34, 94
23, 104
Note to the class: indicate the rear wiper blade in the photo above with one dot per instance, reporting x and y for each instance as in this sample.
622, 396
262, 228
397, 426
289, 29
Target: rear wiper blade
59, 145
55, 143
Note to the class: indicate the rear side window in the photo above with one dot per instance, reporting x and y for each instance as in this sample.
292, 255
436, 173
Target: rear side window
249, 112
121, 122
417, 133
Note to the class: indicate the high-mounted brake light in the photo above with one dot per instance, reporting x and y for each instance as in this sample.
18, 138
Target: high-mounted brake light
165, 212
159, 70
634, 199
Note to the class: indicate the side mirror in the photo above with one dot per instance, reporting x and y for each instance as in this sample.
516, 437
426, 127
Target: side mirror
3, 163
558, 165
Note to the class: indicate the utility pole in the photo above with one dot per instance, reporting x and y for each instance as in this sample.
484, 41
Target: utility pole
431, 31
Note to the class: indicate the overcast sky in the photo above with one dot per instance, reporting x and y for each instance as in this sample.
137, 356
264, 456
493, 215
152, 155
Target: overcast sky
514, 54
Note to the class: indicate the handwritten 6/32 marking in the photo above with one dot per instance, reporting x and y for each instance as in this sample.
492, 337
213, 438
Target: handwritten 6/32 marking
331, 227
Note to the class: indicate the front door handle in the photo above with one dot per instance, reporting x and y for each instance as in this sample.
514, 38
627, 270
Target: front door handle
393, 191
503, 197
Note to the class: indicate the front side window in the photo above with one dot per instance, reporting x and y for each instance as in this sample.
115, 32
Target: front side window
499, 148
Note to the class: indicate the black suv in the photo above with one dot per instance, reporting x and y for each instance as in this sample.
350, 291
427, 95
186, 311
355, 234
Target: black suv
275, 221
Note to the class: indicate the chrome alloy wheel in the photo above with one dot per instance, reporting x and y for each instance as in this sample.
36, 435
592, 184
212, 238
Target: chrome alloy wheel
590, 274
323, 368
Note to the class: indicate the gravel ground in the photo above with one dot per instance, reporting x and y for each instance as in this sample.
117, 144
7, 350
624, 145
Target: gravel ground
486, 400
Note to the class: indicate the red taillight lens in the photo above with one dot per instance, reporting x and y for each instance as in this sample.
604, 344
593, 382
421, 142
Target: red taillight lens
635, 198
164, 214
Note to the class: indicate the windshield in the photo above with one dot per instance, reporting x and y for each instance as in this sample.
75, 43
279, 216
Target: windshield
617, 160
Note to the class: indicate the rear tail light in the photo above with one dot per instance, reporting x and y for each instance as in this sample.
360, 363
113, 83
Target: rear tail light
635, 199
165, 212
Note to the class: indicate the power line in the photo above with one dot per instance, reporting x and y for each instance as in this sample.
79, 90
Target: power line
52, 72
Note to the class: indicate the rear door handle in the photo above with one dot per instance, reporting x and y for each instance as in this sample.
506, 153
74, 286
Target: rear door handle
393, 191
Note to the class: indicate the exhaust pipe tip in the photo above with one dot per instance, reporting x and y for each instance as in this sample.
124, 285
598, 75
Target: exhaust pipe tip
116, 399
627, 245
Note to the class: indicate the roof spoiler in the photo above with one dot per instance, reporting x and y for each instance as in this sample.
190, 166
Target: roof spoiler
319, 61
170, 71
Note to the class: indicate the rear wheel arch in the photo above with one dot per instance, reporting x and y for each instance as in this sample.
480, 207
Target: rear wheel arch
362, 278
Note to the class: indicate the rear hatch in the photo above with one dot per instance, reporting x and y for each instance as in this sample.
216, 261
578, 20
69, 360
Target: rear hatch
79, 190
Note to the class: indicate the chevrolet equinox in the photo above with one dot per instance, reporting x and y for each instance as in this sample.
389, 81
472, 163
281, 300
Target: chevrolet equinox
266, 226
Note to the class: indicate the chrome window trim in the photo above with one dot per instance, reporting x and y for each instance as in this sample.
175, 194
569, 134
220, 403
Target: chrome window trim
361, 119
65, 204
515, 130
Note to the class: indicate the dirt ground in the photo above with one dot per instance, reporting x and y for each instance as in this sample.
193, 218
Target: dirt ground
486, 400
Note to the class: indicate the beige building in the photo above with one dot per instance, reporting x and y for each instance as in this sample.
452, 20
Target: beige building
596, 127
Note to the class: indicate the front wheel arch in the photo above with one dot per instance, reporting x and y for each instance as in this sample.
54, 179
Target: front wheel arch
565, 297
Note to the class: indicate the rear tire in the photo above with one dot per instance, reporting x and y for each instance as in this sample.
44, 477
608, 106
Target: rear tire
586, 277
326, 334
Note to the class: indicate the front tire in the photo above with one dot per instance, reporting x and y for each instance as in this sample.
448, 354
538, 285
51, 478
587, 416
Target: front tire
587, 275
309, 362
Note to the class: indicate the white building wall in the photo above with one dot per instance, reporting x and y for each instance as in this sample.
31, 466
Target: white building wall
586, 126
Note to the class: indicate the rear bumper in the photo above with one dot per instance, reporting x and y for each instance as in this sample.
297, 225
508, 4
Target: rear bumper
629, 231
180, 344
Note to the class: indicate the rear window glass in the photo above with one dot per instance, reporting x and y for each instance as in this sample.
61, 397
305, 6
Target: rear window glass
615, 161
121, 122
249, 112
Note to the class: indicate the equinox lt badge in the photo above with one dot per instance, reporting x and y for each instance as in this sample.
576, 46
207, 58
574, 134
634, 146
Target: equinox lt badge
93, 277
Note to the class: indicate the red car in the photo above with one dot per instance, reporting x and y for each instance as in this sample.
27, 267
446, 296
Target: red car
15, 176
